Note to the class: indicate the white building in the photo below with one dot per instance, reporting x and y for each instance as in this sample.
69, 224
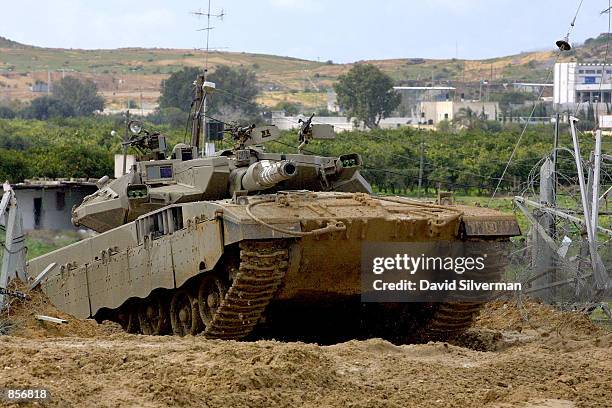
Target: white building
580, 82
433, 113
412, 96
340, 123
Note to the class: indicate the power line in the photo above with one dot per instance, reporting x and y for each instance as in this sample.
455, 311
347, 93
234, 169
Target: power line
561, 49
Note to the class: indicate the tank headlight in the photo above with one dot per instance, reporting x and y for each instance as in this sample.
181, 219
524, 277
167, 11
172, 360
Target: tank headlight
135, 127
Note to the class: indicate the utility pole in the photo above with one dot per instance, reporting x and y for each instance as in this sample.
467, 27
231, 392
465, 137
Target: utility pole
141, 107
543, 255
422, 159
554, 158
421, 167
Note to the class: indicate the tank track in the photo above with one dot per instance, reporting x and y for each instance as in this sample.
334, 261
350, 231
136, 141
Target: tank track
450, 320
263, 265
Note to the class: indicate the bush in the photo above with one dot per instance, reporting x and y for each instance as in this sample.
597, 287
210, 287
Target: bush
47, 107
13, 166
6, 112
171, 116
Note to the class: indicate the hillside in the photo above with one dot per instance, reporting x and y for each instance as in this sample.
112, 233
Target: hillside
131, 72
6, 43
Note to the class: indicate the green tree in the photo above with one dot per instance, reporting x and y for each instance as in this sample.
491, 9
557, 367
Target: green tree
47, 107
81, 95
236, 93
234, 97
366, 93
177, 90
13, 166
465, 117
290, 108
174, 117
6, 112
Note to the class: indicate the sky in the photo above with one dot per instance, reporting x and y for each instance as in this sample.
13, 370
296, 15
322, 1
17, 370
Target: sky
338, 30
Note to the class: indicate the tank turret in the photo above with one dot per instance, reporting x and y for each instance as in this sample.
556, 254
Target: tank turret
159, 178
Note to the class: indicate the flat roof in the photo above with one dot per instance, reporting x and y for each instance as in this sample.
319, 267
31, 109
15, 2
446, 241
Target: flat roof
424, 88
530, 84
54, 183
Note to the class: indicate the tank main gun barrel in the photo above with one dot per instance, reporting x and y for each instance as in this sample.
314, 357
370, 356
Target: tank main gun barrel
265, 174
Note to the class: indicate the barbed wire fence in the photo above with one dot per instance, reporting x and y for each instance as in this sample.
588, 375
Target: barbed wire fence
566, 279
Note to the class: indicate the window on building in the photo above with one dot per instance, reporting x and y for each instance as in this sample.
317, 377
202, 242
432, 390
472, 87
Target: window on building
60, 200
37, 212
446, 116
599, 71
589, 71
581, 71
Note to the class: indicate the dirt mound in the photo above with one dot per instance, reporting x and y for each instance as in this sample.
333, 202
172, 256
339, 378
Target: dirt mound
132, 370
550, 359
18, 319
529, 314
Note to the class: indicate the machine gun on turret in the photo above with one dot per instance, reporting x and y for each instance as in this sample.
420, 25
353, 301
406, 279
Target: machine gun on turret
309, 131
150, 146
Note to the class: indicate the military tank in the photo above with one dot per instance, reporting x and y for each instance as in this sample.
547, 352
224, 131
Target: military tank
245, 242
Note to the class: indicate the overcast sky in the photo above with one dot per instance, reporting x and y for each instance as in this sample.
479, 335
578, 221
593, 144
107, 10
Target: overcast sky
341, 30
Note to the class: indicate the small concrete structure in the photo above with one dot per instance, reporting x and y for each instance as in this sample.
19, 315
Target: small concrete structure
47, 204
412, 96
433, 113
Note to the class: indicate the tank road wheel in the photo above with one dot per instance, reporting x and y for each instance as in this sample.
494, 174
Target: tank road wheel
210, 295
154, 317
184, 314
127, 317
133, 325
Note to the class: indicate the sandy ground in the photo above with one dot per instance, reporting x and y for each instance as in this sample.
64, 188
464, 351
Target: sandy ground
528, 356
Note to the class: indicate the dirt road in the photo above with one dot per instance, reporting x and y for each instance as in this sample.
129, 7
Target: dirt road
549, 360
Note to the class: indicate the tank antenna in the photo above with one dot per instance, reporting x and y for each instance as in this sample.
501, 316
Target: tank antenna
205, 89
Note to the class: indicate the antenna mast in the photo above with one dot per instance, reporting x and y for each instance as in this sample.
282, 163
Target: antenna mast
203, 90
